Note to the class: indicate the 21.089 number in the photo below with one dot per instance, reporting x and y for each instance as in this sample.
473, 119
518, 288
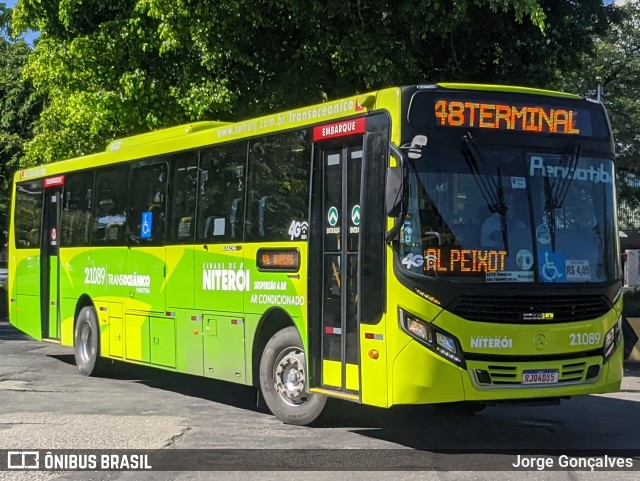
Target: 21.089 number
584, 339
94, 275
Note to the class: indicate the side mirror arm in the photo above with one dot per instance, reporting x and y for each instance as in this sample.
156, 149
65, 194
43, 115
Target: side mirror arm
394, 188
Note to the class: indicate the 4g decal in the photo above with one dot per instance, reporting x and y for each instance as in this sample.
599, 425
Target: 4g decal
413, 260
299, 230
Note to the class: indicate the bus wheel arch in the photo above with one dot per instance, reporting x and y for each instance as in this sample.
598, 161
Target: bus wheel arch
281, 368
272, 321
86, 338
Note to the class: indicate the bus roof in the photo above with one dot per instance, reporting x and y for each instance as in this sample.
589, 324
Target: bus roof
163, 134
507, 89
198, 134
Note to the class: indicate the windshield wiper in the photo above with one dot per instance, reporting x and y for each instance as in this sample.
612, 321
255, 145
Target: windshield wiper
550, 211
501, 209
560, 190
556, 192
492, 191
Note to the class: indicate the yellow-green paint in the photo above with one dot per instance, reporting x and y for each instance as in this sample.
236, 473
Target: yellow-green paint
180, 326
353, 377
332, 374
136, 335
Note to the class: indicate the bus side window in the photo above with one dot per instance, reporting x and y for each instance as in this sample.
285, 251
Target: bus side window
279, 168
76, 209
221, 193
147, 206
110, 209
28, 214
184, 182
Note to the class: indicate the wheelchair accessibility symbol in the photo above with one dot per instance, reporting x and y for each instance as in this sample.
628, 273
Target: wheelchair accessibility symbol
553, 267
146, 225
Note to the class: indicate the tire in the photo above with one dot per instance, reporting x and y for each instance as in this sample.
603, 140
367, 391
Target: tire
283, 380
87, 343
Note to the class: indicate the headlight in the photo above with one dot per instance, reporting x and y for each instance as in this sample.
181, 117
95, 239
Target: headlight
437, 340
611, 340
447, 342
419, 329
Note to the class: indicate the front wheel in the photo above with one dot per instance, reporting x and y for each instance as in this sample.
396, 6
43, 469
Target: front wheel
87, 343
283, 380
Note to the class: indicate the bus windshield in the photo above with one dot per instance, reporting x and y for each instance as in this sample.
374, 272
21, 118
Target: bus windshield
510, 214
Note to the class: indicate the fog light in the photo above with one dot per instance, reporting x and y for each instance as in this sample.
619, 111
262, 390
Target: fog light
483, 376
592, 372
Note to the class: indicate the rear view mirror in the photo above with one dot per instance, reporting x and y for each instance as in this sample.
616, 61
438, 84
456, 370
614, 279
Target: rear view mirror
417, 146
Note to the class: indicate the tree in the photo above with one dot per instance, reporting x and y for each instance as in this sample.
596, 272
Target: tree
619, 74
19, 108
615, 66
118, 67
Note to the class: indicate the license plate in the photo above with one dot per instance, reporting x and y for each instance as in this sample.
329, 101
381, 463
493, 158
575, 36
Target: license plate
540, 377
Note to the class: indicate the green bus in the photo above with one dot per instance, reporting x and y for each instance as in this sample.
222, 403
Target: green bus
443, 243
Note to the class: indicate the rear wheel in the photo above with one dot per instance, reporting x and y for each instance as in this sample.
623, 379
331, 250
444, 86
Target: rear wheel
283, 380
87, 343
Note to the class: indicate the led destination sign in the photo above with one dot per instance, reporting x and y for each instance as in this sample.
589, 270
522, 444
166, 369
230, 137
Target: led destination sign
521, 117
278, 259
464, 260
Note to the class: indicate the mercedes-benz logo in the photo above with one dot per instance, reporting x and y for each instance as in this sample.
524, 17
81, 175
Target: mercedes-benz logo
540, 342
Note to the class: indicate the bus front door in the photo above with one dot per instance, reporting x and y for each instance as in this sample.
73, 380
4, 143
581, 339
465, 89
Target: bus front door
341, 168
49, 260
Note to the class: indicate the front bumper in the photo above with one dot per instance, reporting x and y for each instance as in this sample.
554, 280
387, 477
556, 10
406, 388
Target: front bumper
422, 377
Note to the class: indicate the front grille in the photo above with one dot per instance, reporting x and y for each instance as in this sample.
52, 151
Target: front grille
505, 374
529, 309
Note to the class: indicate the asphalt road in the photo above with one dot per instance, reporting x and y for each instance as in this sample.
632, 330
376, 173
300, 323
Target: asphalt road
46, 404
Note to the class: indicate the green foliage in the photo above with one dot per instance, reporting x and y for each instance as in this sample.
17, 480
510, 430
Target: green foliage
112, 68
100, 64
615, 65
618, 69
19, 107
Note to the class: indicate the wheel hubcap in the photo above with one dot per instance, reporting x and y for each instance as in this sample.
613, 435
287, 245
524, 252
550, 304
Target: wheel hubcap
289, 376
86, 344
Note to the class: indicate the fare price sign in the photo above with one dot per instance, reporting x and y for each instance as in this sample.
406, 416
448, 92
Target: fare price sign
536, 118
